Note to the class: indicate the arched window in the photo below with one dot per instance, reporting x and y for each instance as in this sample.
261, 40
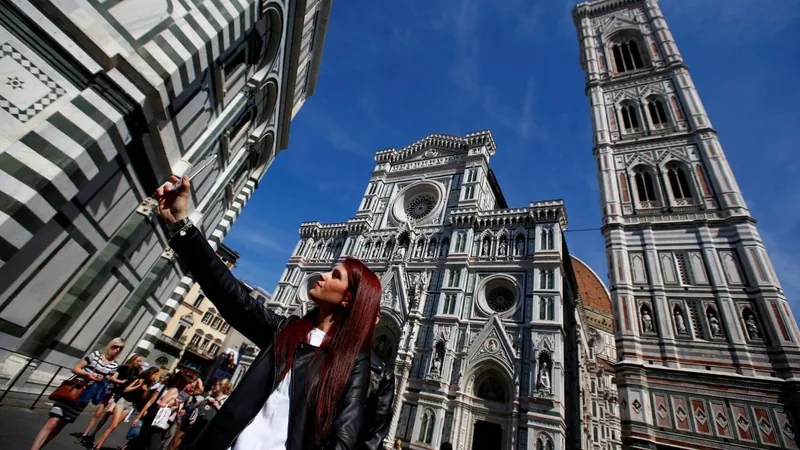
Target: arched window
546, 308
658, 114
546, 279
366, 250
459, 242
626, 55
426, 430
630, 120
678, 182
547, 238
644, 186
162, 361
207, 317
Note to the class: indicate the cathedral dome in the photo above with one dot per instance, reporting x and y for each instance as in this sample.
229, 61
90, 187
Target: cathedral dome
591, 288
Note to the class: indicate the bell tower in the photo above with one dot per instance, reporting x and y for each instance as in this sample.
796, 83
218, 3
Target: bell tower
707, 344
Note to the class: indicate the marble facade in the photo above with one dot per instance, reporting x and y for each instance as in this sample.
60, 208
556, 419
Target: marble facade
100, 100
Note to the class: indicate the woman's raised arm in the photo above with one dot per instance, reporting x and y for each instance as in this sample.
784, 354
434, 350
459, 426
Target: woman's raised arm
232, 300
237, 307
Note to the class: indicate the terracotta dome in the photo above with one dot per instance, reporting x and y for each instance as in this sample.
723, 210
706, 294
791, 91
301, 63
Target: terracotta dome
591, 289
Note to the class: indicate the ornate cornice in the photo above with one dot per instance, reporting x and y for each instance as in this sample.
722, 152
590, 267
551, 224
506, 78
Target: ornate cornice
443, 141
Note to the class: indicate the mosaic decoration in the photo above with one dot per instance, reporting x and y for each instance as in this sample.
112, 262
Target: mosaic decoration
25, 90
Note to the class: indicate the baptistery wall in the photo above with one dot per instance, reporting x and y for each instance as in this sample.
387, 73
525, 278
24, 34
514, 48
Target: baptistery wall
99, 102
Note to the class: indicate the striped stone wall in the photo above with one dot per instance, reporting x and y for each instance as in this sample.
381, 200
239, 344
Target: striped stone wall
95, 113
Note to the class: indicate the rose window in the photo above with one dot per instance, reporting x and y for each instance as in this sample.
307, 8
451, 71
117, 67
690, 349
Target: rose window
500, 299
420, 206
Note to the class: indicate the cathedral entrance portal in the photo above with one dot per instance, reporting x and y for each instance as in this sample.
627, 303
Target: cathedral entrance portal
487, 436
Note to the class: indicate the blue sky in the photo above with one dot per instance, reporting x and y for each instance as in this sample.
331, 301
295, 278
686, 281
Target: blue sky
394, 72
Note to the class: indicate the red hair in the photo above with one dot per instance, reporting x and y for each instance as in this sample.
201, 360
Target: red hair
351, 332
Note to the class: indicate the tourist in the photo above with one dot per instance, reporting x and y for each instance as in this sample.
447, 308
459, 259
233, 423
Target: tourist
119, 405
202, 414
97, 369
153, 431
323, 356
138, 393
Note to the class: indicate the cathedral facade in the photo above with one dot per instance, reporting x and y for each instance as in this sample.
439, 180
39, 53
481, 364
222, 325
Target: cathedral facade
707, 345
496, 333
100, 101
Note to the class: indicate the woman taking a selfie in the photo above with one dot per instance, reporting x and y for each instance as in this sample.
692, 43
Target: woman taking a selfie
307, 387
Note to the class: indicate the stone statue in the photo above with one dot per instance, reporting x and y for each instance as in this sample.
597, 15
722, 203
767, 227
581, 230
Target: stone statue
422, 282
387, 250
401, 252
647, 321
544, 376
520, 247
386, 297
431, 249
680, 324
485, 248
752, 327
503, 247
713, 323
418, 251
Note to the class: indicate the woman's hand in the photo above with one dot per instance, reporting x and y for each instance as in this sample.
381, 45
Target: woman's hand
173, 205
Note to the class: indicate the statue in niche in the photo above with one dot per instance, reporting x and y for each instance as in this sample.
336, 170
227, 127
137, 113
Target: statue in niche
501, 250
401, 252
520, 250
680, 323
387, 250
485, 248
544, 375
713, 324
418, 251
752, 327
387, 298
421, 283
647, 321
431, 249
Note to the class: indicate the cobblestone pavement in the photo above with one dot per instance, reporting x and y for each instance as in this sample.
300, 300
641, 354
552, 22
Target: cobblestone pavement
18, 427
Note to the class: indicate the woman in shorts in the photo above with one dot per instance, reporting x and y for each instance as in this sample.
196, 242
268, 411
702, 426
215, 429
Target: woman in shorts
98, 367
123, 400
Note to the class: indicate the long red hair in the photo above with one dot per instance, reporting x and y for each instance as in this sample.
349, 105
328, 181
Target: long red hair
352, 332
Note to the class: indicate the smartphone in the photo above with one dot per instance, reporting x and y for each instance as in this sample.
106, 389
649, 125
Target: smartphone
196, 170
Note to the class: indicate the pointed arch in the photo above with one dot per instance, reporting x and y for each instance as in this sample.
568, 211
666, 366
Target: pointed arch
428, 425
629, 116
658, 110
627, 50
645, 184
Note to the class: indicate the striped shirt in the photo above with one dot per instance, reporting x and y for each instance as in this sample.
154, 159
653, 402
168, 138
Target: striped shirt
95, 364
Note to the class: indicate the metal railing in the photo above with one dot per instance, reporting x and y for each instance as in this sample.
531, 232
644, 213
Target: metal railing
28, 379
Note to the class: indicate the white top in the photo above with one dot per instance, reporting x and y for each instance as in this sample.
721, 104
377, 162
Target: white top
270, 428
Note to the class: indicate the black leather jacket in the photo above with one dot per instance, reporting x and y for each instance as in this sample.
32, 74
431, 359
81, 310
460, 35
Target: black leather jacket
260, 325
379, 405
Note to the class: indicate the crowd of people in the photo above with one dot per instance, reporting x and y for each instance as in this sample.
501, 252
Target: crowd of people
315, 383
138, 394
